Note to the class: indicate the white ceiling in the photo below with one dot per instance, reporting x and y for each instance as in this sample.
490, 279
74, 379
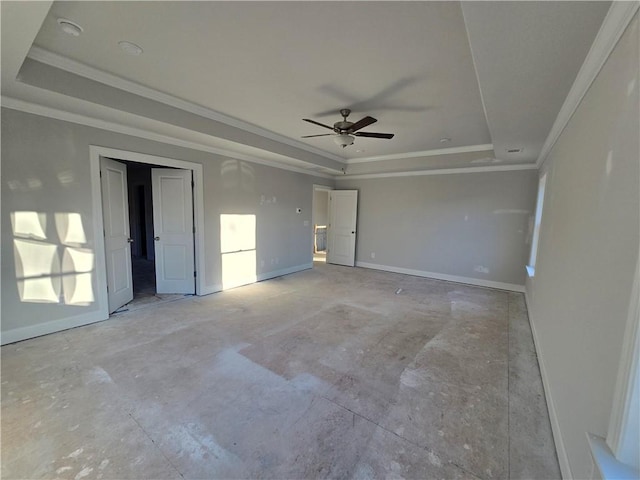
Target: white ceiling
479, 73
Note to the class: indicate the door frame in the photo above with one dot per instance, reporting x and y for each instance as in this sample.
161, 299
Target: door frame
95, 152
321, 188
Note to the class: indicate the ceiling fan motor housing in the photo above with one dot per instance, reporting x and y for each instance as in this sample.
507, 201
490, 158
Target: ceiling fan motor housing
342, 127
345, 131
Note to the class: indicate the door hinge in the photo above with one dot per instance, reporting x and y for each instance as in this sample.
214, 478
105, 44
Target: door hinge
194, 229
195, 274
193, 184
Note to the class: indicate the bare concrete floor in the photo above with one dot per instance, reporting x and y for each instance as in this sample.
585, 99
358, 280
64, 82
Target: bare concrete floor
323, 373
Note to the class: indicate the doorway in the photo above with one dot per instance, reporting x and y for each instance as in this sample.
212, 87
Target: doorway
320, 222
149, 233
171, 250
143, 267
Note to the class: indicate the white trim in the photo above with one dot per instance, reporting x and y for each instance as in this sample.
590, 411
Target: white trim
441, 171
475, 70
285, 271
95, 152
259, 278
209, 289
319, 188
512, 287
53, 59
563, 459
23, 333
609, 467
52, 326
612, 28
425, 153
619, 436
35, 109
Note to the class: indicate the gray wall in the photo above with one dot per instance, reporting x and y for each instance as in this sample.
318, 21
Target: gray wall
46, 169
471, 225
580, 295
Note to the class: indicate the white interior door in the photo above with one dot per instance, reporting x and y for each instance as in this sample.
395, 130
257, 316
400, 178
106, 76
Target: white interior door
343, 214
173, 230
117, 240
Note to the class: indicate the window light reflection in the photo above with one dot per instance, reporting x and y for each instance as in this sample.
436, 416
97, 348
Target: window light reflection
238, 249
45, 268
29, 224
70, 228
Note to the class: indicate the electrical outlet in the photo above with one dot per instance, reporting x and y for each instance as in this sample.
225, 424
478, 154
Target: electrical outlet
373, 254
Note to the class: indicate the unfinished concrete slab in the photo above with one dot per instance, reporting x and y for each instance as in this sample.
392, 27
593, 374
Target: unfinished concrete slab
323, 373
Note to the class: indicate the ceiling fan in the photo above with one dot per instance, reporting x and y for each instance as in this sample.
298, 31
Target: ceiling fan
346, 131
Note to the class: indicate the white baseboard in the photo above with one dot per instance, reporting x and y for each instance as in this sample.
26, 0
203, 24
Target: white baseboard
563, 460
31, 331
284, 271
209, 289
442, 276
23, 333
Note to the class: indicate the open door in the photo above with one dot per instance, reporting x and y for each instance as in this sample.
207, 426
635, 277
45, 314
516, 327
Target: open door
173, 230
341, 242
117, 240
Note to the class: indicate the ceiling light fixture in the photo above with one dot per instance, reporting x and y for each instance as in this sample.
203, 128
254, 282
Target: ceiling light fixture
130, 48
69, 27
344, 140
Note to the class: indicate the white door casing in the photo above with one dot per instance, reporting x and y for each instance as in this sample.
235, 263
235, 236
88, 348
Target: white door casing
343, 214
173, 230
115, 205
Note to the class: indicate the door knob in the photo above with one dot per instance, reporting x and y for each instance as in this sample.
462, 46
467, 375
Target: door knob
157, 238
130, 240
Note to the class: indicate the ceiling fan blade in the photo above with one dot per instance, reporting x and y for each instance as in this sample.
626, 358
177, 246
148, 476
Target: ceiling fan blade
362, 123
317, 123
374, 135
321, 135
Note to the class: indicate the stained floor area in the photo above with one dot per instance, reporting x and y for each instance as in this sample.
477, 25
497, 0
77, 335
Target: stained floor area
323, 373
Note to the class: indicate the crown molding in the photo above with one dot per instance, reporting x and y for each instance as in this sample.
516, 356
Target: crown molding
612, 28
41, 110
59, 61
425, 153
441, 171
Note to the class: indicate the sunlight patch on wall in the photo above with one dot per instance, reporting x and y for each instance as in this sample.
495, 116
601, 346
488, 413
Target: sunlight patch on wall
52, 271
36, 264
70, 228
77, 265
29, 224
238, 249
